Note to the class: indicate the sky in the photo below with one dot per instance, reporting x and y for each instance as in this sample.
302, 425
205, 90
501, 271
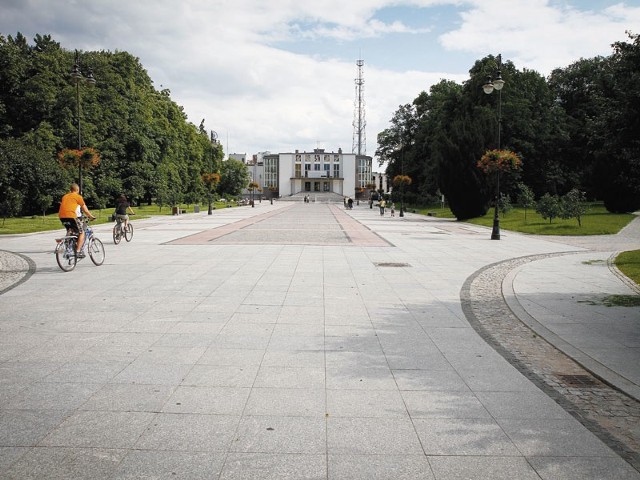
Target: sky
279, 75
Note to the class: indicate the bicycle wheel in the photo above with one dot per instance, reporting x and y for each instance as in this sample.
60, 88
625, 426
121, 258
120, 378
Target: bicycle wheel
96, 251
128, 233
65, 255
117, 234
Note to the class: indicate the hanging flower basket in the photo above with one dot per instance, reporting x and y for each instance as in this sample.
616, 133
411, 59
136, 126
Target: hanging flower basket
211, 178
400, 180
499, 161
86, 158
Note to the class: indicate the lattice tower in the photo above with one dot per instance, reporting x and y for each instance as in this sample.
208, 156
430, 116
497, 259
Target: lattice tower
359, 122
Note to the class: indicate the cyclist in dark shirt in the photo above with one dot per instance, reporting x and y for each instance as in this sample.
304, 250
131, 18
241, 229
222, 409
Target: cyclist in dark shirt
122, 205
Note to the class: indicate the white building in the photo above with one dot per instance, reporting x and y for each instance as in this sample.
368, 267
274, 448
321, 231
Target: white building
318, 171
381, 182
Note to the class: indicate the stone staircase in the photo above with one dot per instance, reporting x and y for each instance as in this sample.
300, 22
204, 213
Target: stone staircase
314, 197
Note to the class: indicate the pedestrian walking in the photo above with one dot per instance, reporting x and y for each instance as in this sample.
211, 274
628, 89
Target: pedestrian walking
382, 205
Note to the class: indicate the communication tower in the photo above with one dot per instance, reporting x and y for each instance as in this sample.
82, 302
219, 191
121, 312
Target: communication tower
359, 122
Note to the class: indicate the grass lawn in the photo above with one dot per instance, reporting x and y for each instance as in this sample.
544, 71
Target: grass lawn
597, 221
38, 223
629, 264
432, 210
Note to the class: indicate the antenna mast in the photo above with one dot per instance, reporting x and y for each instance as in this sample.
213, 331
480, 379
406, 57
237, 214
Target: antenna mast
359, 122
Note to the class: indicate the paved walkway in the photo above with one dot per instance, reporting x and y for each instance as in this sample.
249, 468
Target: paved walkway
310, 342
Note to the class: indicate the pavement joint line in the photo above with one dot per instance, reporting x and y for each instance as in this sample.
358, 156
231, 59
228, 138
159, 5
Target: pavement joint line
222, 230
608, 412
357, 233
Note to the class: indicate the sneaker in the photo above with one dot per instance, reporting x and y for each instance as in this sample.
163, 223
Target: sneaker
80, 254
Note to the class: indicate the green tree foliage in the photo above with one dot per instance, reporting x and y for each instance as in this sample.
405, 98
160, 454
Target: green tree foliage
526, 198
618, 162
548, 206
10, 203
30, 171
234, 177
146, 145
573, 205
578, 129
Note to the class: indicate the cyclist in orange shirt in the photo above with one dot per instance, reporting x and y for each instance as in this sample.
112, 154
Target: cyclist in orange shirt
69, 217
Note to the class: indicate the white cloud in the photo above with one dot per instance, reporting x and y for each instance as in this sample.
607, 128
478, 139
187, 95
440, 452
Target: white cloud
224, 61
536, 35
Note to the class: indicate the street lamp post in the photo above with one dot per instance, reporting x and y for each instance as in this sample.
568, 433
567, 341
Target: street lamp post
253, 182
489, 87
402, 184
213, 137
78, 77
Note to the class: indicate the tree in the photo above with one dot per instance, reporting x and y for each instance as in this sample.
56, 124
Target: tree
526, 198
137, 129
504, 204
572, 205
10, 203
234, 176
617, 169
44, 202
549, 206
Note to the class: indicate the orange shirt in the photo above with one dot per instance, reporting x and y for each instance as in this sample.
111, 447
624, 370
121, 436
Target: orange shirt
69, 204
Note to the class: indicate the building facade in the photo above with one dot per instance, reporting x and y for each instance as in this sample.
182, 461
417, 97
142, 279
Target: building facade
317, 171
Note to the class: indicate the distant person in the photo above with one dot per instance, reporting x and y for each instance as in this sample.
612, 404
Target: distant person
382, 205
122, 206
392, 209
68, 215
350, 203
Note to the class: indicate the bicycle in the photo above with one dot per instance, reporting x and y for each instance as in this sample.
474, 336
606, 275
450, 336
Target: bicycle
65, 251
119, 231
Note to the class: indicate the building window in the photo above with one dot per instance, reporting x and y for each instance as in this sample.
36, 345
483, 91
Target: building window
327, 170
307, 167
307, 186
316, 167
316, 186
336, 170
325, 186
298, 171
271, 172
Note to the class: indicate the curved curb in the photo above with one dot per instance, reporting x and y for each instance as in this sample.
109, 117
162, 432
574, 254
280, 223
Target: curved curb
576, 402
611, 263
22, 274
602, 372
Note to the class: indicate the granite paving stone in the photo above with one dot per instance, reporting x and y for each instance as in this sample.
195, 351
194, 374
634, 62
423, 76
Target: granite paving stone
295, 340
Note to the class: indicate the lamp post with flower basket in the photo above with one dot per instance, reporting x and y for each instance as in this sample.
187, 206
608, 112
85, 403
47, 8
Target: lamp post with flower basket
210, 180
401, 181
78, 78
488, 88
253, 186
494, 162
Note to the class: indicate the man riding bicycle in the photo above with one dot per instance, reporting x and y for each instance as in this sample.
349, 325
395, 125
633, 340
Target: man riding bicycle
122, 205
69, 217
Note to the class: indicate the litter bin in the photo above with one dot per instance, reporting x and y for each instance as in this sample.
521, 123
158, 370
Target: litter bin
196, 209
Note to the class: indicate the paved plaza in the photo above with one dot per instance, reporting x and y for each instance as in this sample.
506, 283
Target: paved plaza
306, 341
